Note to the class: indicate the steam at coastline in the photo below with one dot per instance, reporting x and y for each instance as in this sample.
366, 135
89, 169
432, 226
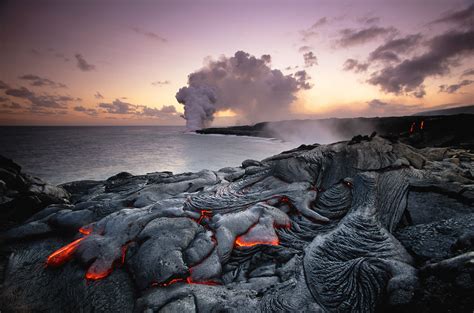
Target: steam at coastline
242, 83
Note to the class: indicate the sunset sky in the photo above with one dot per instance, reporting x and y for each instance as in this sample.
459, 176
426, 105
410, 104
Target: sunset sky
74, 62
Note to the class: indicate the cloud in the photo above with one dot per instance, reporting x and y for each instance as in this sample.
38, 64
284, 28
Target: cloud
98, 95
302, 80
390, 50
161, 83
305, 49
3, 99
38, 81
453, 88
354, 65
41, 101
123, 108
369, 20
148, 34
82, 63
243, 83
11, 105
312, 31
463, 17
381, 108
152, 112
310, 59
88, 111
3, 85
468, 72
352, 37
118, 107
444, 51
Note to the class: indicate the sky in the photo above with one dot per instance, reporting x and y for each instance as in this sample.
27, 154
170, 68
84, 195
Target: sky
107, 62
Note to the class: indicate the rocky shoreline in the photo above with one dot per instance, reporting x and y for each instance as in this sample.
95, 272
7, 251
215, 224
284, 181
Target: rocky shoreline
370, 224
418, 131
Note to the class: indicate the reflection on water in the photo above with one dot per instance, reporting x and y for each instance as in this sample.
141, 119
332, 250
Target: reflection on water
61, 154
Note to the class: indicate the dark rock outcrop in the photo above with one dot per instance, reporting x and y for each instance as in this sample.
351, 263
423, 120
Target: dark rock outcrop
360, 226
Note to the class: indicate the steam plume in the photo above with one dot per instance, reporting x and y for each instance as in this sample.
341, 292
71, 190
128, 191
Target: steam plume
243, 83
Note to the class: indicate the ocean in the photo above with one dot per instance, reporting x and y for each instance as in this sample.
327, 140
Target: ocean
64, 154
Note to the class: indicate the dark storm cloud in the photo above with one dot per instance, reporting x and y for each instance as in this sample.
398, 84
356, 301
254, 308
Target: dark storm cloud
43, 100
468, 72
98, 95
463, 17
352, 37
390, 50
312, 31
38, 81
88, 111
3, 99
453, 88
161, 83
444, 51
82, 64
148, 34
124, 108
310, 59
3, 85
354, 65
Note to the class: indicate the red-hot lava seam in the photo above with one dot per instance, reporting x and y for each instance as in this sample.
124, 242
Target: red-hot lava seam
204, 214
240, 242
412, 127
93, 275
64, 254
85, 230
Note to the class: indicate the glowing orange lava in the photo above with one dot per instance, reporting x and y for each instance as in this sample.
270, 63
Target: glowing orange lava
240, 242
412, 128
124, 252
422, 125
61, 256
189, 280
93, 275
171, 282
85, 230
204, 214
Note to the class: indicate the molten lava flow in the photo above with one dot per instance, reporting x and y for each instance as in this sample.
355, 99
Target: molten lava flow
239, 242
61, 256
204, 214
412, 128
85, 230
124, 253
189, 280
422, 125
93, 275
171, 282
284, 199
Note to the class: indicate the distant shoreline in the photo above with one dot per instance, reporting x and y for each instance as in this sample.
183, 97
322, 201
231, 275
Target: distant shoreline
438, 130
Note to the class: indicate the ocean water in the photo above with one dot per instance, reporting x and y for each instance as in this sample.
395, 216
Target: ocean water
63, 154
